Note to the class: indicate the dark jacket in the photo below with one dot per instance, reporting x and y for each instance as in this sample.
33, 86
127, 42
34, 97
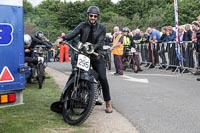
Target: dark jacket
171, 37
198, 41
84, 29
37, 41
187, 36
163, 38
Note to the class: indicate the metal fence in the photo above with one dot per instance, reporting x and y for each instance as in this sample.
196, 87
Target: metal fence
168, 54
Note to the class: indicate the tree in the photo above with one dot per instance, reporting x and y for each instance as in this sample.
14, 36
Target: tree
28, 9
111, 19
56, 16
188, 11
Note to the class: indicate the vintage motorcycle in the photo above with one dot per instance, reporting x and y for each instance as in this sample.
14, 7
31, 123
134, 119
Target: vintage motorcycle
79, 95
41, 52
107, 56
130, 59
38, 69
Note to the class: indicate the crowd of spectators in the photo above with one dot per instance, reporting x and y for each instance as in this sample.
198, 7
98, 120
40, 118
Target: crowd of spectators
160, 47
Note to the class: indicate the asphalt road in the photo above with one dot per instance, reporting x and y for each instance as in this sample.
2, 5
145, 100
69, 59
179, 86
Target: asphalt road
155, 101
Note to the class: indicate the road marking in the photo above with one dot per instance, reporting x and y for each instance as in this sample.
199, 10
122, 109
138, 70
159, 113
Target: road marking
159, 75
128, 78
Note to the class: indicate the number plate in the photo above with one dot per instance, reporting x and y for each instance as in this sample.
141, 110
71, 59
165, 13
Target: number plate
133, 50
83, 62
41, 59
106, 47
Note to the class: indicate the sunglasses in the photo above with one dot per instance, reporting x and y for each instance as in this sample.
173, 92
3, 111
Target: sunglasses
95, 16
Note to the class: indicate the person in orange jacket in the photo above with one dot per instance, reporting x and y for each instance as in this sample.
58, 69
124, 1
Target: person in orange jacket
64, 49
117, 50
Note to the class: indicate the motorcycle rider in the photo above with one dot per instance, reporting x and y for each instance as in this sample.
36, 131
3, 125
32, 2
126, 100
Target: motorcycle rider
29, 43
93, 32
126, 41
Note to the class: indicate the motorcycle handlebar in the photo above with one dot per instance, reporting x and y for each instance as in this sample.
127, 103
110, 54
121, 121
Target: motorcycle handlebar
67, 43
75, 49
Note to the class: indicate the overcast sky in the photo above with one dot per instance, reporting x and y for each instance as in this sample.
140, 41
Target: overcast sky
36, 2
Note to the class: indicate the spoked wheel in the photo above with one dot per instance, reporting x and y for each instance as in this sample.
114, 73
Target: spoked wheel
108, 62
79, 103
40, 76
124, 64
134, 64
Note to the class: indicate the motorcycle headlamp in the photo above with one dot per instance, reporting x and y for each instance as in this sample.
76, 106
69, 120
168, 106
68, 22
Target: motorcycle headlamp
89, 49
86, 47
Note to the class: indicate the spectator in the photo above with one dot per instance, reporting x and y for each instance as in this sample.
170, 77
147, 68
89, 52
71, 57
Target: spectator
117, 50
181, 33
154, 37
196, 29
171, 34
164, 35
64, 50
56, 49
187, 47
161, 47
171, 37
187, 36
144, 47
136, 36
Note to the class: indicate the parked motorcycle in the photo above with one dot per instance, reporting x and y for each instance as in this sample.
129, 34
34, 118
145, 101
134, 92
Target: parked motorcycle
135, 60
130, 59
107, 56
37, 68
79, 95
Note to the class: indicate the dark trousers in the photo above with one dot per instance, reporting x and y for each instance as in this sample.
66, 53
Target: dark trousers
99, 65
118, 63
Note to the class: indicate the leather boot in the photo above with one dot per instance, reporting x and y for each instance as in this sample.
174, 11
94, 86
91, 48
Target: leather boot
108, 107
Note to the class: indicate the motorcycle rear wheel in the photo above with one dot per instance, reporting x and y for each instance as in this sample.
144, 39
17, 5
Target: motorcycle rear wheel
79, 103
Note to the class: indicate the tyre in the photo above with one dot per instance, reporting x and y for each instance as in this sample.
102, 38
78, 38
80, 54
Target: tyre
40, 76
108, 62
134, 64
124, 64
79, 103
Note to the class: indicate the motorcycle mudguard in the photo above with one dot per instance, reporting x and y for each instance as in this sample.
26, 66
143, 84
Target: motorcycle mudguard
71, 81
57, 107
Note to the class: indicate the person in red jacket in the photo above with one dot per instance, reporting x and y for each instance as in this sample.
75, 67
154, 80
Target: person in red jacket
64, 49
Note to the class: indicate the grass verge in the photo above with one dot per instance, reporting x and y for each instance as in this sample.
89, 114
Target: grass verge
35, 116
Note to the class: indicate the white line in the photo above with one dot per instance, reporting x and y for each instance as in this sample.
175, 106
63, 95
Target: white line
159, 75
135, 79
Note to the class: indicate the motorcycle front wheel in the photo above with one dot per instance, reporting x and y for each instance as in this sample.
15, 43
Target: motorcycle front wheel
40, 76
79, 103
108, 62
135, 63
124, 63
